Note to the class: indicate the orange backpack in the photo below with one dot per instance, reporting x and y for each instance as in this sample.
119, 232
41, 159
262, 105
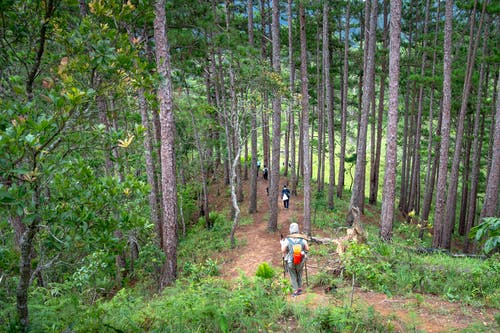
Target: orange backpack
296, 250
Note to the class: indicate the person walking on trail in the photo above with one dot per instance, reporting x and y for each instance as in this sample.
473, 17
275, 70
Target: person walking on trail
265, 171
285, 195
258, 168
295, 248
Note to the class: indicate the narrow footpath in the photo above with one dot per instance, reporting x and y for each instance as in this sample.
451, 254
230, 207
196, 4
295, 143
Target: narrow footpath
257, 245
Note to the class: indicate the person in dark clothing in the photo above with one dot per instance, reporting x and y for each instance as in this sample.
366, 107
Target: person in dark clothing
285, 195
265, 171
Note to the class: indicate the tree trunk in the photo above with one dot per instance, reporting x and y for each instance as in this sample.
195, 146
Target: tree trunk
329, 106
388, 197
476, 147
252, 207
374, 175
490, 204
413, 198
343, 117
294, 176
275, 165
232, 123
150, 167
305, 121
168, 173
403, 194
438, 236
465, 187
265, 102
449, 220
431, 171
432, 178
358, 193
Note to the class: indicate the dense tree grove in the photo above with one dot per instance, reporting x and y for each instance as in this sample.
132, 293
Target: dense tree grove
117, 115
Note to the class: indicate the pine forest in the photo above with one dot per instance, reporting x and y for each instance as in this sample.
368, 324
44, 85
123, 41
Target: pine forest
146, 147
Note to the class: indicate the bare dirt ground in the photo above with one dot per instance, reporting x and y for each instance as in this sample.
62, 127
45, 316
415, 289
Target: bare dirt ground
257, 245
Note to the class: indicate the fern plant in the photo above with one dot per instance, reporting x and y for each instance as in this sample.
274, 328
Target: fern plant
265, 271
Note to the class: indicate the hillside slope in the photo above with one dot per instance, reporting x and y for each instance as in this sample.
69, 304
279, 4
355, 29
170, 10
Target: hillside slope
257, 245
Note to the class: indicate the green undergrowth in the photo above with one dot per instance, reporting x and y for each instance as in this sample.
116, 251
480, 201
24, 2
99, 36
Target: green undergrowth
249, 304
201, 301
397, 268
393, 269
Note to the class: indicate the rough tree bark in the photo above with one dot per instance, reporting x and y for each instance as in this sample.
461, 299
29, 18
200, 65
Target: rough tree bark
329, 106
451, 197
305, 121
490, 204
387, 214
375, 168
275, 165
437, 239
293, 176
358, 192
168, 173
476, 147
343, 117
252, 207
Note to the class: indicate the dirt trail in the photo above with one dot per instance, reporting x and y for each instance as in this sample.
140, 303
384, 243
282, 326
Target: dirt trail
428, 315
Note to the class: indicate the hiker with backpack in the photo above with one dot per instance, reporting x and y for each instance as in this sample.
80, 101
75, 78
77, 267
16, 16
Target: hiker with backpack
294, 248
266, 172
285, 195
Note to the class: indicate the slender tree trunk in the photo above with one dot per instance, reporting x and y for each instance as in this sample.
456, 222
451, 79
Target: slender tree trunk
232, 127
476, 147
320, 106
492, 126
431, 171
168, 174
343, 117
305, 121
150, 167
265, 102
374, 175
403, 194
358, 193
432, 179
490, 204
275, 165
413, 199
25, 270
449, 220
438, 236
252, 207
388, 198
294, 176
329, 106
465, 187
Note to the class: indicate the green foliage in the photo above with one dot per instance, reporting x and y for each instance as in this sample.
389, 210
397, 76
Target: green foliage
196, 272
393, 269
342, 319
489, 233
209, 305
200, 243
187, 197
265, 271
360, 260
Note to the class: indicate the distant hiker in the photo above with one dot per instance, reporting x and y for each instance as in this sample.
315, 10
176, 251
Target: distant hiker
265, 172
294, 248
258, 168
285, 196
